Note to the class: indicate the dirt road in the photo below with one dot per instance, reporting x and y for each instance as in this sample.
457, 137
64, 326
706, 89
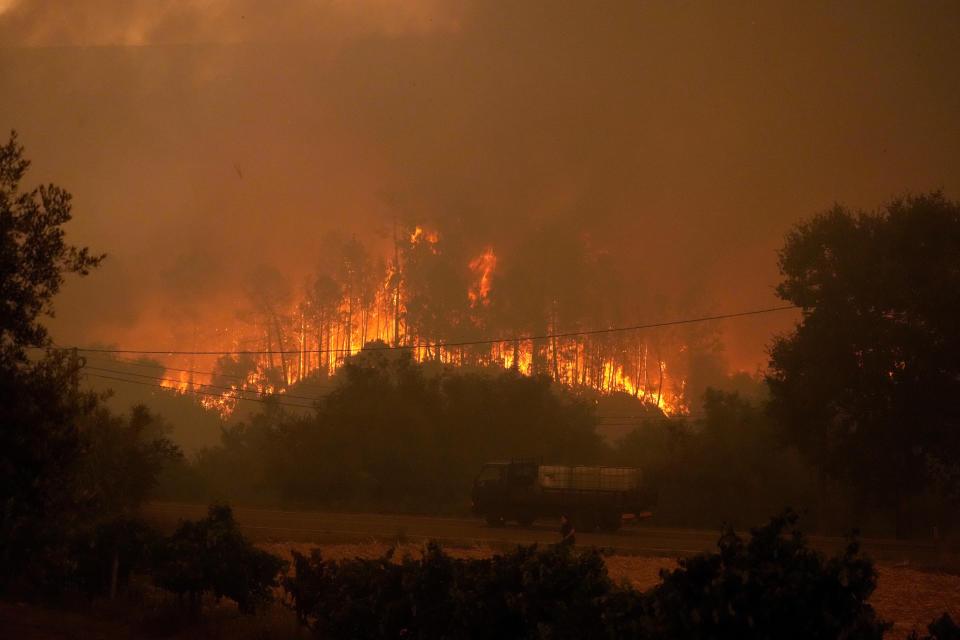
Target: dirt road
640, 539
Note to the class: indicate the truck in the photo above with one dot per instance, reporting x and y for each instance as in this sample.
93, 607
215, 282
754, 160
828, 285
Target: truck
591, 496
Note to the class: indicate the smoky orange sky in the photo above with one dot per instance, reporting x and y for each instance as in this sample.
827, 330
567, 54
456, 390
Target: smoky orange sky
200, 138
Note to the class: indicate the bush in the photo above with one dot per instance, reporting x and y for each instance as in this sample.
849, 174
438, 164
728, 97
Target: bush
770, 587
113, 549
943, 628
773, 586
212, 556
532, 592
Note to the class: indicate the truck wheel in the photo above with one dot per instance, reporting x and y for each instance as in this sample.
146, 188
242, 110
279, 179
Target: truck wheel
495, 520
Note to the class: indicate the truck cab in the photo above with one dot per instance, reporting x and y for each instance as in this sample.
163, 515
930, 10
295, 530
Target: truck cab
505, 483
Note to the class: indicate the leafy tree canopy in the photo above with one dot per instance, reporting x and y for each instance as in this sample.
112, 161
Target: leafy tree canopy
33, 254
868, 385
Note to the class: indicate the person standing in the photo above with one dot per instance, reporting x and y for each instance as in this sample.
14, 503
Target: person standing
568, 535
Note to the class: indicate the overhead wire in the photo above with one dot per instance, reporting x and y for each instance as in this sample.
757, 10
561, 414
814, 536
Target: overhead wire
199, 384
618, 420
484, 341
603, 420
143, 365
271, 400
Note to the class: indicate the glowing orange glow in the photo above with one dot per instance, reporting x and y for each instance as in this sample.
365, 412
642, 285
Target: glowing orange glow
181, 385
419, 234
482, 267
312, 345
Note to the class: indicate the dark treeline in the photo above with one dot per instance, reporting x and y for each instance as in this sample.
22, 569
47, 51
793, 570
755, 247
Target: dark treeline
860, 428
393, 434
397, 435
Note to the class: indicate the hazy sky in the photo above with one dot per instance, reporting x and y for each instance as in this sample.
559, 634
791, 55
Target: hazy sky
202, 137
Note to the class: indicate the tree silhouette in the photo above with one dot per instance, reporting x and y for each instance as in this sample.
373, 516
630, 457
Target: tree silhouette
40, 406
33, 255
868, 385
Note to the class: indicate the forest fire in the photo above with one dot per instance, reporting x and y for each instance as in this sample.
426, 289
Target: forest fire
182, 385
441, 307
419, 234
483, 267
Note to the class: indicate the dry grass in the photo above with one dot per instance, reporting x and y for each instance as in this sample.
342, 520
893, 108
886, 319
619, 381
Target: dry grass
913, 598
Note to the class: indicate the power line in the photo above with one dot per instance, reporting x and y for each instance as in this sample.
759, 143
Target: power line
546, 336
142, 365
198, 384
197, 391
278, 399
130, 363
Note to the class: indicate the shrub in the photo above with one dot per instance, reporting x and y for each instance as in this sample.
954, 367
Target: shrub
212, 556
531, 592
773, 586
115, 548
943, 628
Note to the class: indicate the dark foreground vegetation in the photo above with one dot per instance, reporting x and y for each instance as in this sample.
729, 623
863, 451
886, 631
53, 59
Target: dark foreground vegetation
770, 585
862, 419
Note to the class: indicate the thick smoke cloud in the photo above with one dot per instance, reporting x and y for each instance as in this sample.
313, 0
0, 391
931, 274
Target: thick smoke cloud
203, 138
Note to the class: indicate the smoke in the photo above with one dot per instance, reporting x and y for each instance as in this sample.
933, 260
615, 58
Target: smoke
133, 23
201, 139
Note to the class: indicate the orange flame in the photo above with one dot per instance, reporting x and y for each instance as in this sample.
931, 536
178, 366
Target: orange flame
483, 266
577, 362
182, 385
419, 234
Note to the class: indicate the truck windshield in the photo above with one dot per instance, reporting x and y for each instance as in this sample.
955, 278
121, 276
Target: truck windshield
491, 474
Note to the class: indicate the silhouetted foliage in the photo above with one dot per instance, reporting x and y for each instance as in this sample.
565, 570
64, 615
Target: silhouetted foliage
123, 458
33, 255
40, 410
868, 386
394, 435
724, 466
943, 628
529, 593
40, 449
772, 586
212, 556
66, 464
113, 550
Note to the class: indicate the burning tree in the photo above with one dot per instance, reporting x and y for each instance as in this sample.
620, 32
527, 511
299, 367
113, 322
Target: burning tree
448, 301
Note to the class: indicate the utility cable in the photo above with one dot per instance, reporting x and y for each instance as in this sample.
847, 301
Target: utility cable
485, 341
196, 384
198, 392
142, 365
